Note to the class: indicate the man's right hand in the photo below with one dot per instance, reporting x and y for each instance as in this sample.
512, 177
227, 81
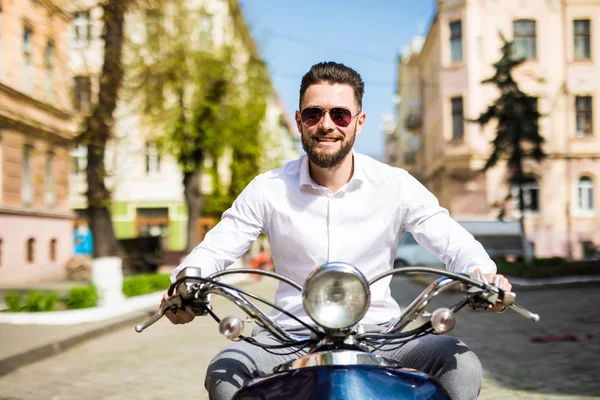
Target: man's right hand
178, 317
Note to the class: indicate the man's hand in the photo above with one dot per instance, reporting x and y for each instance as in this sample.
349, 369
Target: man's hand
504, 285
179, 316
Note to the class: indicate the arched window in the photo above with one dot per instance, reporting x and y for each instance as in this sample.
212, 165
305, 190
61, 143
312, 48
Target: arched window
30, 250
585, 194
531, 194
53, 249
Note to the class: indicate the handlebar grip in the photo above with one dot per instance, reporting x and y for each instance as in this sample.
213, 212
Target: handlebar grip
527, 314
140, 327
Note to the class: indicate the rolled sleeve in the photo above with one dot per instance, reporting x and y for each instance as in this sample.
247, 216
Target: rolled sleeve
434, 229
227, 241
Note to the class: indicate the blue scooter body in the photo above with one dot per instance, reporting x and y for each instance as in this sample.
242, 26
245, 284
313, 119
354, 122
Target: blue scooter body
360, 382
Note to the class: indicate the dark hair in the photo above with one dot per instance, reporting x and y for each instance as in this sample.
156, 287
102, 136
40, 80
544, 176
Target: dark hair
332, 72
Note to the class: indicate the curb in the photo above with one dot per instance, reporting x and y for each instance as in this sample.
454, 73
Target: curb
11, 363
84, 315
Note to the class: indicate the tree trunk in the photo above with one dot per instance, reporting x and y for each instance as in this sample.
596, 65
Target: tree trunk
194, 202
524, 242
98, 197
98, 129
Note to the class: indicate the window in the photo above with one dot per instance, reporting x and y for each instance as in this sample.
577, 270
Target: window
152, 221
524, 45
50, 190
82, 27
82, 96
30, 250
581, 39
0, 252
26, 180
152, 158
456, 50
154, 29
53, 249
583, 110
205, 28
585, 194
458, 123
79, 155
27, 49
49, 58
531, 195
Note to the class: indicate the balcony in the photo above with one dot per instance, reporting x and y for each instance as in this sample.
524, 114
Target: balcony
413, 122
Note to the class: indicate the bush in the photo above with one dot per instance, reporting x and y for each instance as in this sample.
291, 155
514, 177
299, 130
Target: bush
145, 283
38, 301
14, 301
82, 297
544, 262
34, 301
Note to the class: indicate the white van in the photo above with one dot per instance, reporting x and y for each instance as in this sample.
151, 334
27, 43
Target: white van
499, 238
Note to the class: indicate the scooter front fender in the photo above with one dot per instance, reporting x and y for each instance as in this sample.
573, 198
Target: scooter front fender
356, 382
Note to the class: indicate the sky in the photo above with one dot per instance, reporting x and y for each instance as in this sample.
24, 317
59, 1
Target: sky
366, 35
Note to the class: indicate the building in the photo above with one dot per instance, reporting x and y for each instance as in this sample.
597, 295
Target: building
146, 183
36, 128
560, 41
401, 145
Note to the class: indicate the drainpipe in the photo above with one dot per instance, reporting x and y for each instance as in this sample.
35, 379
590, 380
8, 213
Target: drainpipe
567, 133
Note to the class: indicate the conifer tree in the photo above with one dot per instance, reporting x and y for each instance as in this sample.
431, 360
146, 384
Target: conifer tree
517, 131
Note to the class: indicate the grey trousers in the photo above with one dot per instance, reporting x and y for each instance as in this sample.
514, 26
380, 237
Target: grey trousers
445, 358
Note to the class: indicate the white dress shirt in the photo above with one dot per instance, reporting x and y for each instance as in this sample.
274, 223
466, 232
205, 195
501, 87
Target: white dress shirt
308, 225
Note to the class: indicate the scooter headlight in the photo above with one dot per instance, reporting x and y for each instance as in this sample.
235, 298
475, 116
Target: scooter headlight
336, 295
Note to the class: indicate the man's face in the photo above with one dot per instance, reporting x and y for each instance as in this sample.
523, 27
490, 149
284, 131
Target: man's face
325, 142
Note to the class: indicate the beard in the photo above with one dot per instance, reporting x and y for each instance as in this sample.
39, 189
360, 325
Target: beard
325, 158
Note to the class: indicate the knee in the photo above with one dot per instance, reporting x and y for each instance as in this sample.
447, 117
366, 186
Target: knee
456, 356
469, 367
229, 371
460, 371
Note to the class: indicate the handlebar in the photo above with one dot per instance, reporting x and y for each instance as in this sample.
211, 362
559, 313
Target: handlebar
478, 287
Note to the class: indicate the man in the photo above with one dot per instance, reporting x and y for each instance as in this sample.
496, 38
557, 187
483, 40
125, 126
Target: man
337, 205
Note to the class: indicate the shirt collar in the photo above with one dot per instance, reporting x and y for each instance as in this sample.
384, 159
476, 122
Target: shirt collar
358, 175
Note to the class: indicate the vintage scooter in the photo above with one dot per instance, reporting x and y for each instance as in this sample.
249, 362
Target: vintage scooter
338, 363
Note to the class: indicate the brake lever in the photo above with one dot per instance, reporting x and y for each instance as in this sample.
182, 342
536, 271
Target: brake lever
173, 303
491, 297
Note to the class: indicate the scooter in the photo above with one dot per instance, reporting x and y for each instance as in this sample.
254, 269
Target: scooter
339, 363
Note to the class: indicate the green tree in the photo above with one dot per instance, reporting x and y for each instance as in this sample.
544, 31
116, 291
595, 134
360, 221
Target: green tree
248, 117
97, 128
517, 131
201, 101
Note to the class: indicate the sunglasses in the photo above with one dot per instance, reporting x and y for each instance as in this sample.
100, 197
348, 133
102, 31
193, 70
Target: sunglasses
311, 116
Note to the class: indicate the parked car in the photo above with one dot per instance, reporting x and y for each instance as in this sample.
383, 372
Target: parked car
499, 238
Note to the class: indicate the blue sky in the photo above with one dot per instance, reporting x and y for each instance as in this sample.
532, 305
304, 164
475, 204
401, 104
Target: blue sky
366, 35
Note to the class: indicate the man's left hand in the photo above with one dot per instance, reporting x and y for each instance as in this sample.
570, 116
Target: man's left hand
504, 285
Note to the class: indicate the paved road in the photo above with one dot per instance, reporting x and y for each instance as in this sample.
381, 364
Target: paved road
168, 362
517, 368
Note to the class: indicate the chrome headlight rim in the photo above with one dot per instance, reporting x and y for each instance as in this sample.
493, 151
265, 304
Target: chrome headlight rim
336, 267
